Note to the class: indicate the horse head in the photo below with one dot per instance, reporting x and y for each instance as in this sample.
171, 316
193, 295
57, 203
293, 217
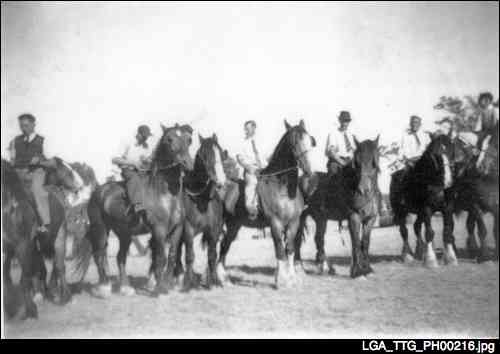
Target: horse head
301, 144
60, 173
173, 149
441, 153
365, 163
209, 159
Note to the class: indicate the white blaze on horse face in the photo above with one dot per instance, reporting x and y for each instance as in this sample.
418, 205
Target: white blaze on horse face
78, 180
219, 169
306, 148
484, 147
448, 179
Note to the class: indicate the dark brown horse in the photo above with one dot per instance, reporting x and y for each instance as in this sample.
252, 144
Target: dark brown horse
476, 191
108, 210
423, 190
20, 239
204, 209
352, 195
281, 203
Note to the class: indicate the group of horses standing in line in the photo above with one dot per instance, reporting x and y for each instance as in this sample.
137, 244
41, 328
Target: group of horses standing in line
188, 197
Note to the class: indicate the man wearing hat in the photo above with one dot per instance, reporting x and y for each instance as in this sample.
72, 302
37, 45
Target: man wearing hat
413, 143
134, 160
30, 154
340, 145
487, 116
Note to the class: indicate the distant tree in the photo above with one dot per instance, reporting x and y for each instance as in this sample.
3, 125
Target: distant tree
464, 112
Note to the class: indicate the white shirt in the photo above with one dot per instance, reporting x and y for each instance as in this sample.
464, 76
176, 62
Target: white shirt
491, 112
336, 142
47, 149
135, 153
410, 148
247, 154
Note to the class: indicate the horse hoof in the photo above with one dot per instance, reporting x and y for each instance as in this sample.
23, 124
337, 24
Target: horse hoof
299, 269
323, 268
221, 273
356, 272
102, 291
126, 290
408, 258
332, 271
431, 263
482, 258
38, 298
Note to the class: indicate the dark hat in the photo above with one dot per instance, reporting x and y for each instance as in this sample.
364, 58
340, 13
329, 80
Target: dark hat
445, 120
187, 128
27, 116
483, 95
144, 130
344, 116
415, 118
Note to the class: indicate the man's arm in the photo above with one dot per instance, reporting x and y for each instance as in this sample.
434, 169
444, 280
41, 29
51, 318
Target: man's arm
332, 150
247, 166
121, 159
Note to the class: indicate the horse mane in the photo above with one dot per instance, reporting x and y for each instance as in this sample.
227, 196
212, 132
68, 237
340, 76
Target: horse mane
283, 159
426, 171
12, 182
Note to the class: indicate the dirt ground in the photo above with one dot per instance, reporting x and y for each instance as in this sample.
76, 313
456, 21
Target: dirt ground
399, 300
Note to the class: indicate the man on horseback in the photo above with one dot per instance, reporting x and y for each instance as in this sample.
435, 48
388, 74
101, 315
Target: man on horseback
249, 158
413, 143
487, 116
134, 160
339, 145
30, 155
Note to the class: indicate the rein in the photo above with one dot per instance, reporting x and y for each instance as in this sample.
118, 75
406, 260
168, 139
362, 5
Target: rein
278, 172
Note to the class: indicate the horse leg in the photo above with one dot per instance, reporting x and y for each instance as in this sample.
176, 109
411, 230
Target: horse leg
189, 280
227, 238
477, 215
430, 259
319, 240
40, 281
472, 247
365, 246
406, 253
355, 226
60, 267
174, 240
25, 253
417, 228
158, 258
290, 236
448, 238
212, 277
121, 259
281, 274
298, 265
98, 235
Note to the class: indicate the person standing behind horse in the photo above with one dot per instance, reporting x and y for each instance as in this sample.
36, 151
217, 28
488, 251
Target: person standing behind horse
250, 159
30, 154
134, 160
339, 145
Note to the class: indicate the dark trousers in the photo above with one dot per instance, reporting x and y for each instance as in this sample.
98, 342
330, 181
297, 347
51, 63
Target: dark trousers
135, 188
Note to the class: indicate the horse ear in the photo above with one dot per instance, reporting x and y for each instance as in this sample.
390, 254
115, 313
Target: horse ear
200, 137
164, 128
302, 124
214, 137
287, 126
376, 140
176, 125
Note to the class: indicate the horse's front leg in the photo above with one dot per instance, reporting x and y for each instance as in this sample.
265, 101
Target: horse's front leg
355, 226
319, 239
158, 258
233, 227
365, 245
174, 239
281, 275
448, 238
430, 259
125, 240
470, 224
63, 290
477, 215
417, 228
290, 236
187, 240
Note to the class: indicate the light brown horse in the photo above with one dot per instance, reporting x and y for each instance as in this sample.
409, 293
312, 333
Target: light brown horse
281, 203
108, 210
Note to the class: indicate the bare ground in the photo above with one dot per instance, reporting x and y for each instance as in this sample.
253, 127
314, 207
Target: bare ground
398, 300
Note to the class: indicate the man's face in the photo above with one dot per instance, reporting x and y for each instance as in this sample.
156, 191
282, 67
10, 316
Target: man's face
141, 138
27, 127
415, 125
446, 128
485, 102
249, 130
344, 125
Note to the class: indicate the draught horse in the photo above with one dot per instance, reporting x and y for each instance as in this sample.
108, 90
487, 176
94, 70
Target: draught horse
20, 239
281, 203
423, 190
108, 209
352, 194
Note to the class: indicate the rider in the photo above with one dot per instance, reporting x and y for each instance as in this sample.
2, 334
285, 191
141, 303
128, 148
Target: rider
413, 143
30, 154
249, 158
134, 160
340, 145
487, 116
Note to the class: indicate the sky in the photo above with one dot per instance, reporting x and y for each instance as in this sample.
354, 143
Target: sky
92, 72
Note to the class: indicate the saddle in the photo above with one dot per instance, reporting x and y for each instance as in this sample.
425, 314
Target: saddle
234, 198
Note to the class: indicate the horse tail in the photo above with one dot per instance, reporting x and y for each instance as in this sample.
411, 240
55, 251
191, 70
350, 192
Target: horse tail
83, 249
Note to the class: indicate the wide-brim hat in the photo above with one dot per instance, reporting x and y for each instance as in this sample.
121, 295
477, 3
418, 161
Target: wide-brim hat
344, 116
484, 95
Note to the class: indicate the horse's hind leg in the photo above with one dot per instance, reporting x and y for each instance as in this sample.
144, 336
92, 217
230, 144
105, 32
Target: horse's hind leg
124, 284
99, 240
227, 239
477, 215
420, 245
25, 254
189, 277
406, 253
319, 240
472, 247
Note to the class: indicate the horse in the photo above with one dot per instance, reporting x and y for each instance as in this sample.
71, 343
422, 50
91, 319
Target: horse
281, 203
353, 195
21, 240
428, 189
476, 191
204, 209
108, 209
